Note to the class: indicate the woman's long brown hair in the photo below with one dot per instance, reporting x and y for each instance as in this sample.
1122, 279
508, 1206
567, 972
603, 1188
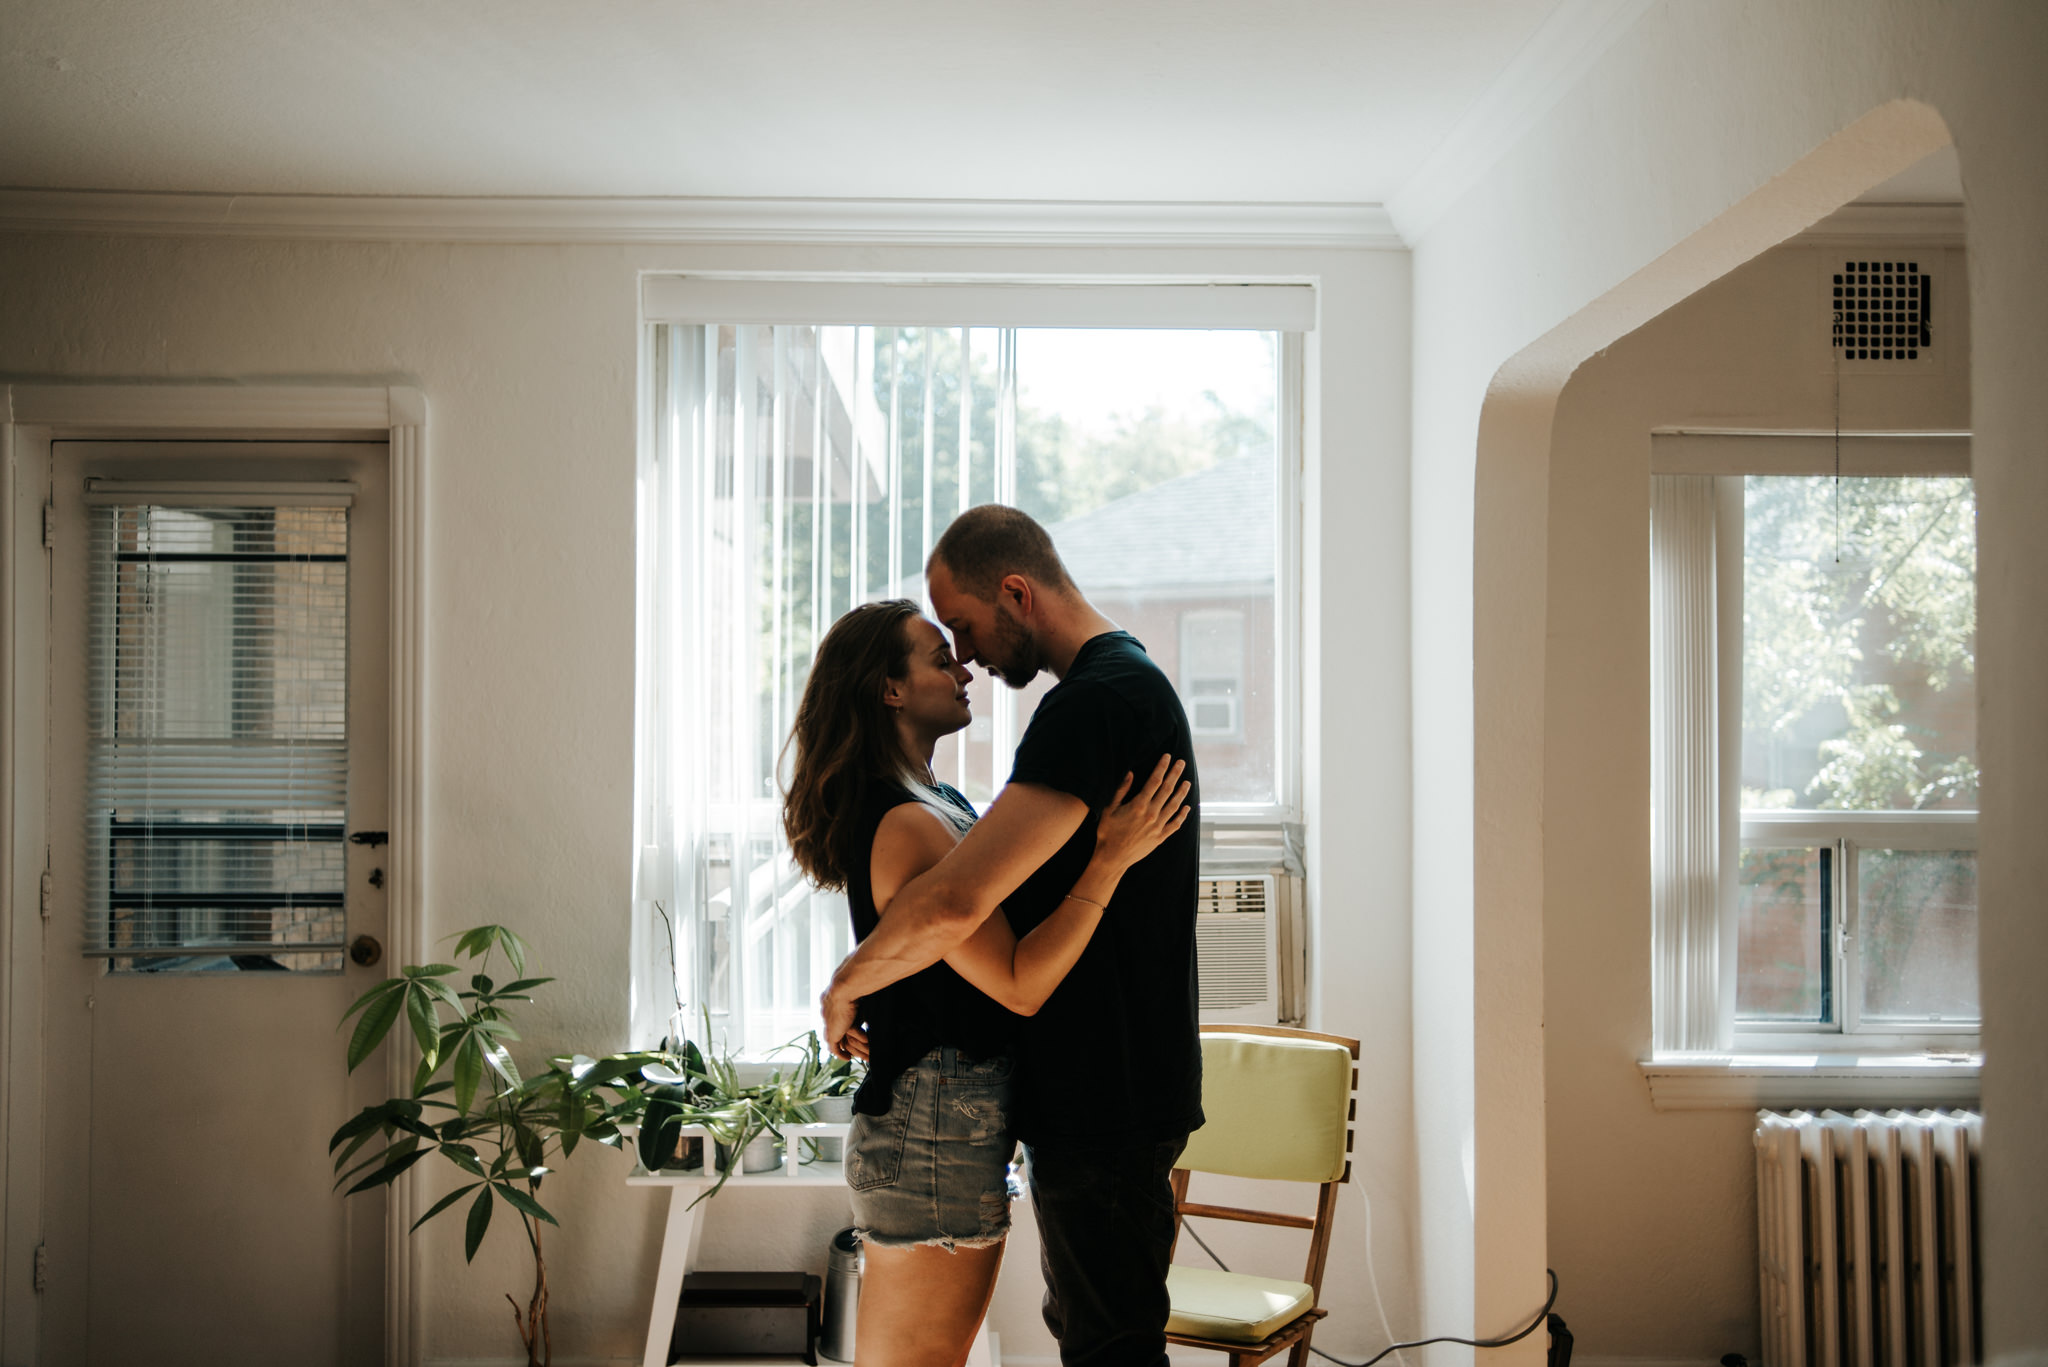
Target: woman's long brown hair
845, 738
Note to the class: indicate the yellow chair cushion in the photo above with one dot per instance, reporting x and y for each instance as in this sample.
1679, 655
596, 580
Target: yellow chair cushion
1209, 1304
1276, 1108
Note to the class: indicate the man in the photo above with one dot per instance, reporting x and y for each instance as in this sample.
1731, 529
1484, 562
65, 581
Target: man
1109, 1072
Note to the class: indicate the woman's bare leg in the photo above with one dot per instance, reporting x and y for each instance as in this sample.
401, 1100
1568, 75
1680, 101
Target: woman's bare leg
919, 1307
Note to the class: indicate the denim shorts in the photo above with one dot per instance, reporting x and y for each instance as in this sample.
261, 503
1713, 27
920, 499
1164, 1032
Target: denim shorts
935, 1169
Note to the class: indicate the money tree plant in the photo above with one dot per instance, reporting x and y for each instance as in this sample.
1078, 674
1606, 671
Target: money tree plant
471, 1105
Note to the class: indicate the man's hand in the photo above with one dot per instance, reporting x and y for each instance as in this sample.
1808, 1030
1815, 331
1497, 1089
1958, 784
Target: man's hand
841, 1016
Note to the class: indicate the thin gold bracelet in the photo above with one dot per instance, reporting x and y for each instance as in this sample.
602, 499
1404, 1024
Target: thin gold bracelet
1086, 902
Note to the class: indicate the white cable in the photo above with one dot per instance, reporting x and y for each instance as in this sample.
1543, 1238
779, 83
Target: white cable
1372, 1278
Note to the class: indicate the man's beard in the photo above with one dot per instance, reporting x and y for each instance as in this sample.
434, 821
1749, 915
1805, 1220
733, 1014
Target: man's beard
1017, 657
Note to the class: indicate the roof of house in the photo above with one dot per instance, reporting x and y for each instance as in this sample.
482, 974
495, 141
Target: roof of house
1212, 527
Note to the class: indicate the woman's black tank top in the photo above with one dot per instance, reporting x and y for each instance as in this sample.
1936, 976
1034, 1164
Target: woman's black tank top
907, 1020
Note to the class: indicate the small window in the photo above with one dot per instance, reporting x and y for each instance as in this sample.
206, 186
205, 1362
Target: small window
217, 782
1212, 672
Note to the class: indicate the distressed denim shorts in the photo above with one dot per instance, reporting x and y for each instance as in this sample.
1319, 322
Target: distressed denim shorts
935, 1169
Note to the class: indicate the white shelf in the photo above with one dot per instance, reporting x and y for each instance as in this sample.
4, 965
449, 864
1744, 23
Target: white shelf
793, 1172
819, 1174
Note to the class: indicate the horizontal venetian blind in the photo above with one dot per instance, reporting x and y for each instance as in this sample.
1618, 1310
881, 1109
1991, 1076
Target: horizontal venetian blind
218, 720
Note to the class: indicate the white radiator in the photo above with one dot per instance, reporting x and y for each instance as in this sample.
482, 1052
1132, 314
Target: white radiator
1867, 1238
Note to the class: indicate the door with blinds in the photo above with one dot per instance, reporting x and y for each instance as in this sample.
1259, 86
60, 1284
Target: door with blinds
219, 676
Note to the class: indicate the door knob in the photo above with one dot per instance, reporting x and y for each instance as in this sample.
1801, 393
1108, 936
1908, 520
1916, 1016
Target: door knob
364, 950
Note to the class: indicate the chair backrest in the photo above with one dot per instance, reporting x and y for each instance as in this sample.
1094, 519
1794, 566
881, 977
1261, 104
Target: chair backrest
1278, 1104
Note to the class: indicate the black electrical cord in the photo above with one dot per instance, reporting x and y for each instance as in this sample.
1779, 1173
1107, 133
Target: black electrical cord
1535, 1324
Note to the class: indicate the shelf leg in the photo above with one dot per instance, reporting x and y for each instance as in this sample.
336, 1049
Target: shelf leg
678, 1244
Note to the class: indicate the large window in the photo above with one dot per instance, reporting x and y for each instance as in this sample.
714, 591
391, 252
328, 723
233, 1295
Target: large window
1822, 826
797, 470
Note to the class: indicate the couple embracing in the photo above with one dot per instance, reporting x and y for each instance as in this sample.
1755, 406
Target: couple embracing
1025, 977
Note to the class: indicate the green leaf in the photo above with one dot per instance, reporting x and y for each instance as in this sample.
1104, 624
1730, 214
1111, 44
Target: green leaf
526, 1204
441, 990
389, 1172
531, 1148
446, 1201
413, 1126
502, 1062
521, 985
365, 1120
479, 1221
426, 1027
353, 1146
480, 985
388, 985
469, 1071
371, 1029
515, 950
428, 971
474, 941
464, 1157
389, 1153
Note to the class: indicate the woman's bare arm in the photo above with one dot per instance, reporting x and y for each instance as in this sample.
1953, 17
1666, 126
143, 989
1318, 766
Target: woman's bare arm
1021, 974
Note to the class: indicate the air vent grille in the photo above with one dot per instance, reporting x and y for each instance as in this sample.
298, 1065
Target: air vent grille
1233, 943
1881, 311
1222, 896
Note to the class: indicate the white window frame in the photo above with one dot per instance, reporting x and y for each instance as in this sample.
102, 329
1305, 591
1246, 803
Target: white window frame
1694, 847
1286, 306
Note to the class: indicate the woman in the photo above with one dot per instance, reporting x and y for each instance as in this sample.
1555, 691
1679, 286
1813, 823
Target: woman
929, 1151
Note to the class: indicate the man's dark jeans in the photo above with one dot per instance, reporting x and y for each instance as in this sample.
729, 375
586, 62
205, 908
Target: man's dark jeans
1105, 1227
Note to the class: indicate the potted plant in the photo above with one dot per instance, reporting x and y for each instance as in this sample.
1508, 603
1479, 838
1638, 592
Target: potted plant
472, 1105
820, 1088
745, 1120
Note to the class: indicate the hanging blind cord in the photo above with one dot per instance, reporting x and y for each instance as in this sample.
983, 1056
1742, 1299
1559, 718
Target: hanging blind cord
1541, 1316
1838, 460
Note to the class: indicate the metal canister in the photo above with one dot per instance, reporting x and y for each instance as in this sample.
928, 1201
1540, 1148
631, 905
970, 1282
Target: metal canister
842, 1296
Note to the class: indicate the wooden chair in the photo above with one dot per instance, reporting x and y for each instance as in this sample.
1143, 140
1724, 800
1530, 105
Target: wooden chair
1280, 1106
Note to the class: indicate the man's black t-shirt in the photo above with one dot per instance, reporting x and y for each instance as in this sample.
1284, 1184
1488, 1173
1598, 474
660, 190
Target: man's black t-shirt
1114, 1055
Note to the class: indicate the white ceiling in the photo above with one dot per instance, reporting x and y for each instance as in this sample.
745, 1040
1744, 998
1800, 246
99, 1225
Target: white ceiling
1324, 101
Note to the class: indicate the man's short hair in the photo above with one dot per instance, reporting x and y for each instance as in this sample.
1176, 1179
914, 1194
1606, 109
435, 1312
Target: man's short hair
987, 542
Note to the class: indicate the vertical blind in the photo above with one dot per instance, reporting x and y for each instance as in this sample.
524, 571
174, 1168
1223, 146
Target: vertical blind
788, 482
217, 781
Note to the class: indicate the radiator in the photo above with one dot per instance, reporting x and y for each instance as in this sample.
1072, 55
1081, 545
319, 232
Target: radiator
1867, 1238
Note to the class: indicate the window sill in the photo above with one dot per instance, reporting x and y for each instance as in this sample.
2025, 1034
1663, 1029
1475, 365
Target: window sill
1707, 1082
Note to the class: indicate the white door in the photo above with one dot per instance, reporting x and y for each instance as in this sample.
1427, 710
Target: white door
219, 659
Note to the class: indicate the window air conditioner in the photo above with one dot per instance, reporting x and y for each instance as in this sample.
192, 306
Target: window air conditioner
1237, 948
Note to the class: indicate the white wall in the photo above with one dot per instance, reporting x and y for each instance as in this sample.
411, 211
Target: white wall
527, 355
1709, 132
1657, 1267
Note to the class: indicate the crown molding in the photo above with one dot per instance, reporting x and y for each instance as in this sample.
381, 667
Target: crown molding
1575, 36
375, 218
1936, 225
